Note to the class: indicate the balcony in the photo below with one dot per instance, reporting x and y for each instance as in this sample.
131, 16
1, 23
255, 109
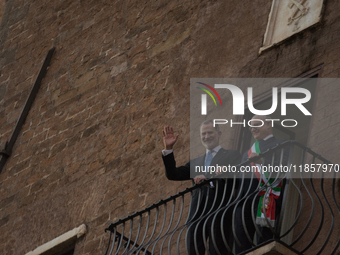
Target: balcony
308, 222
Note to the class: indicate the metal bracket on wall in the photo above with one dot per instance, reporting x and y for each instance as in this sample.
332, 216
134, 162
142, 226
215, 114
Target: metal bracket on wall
6, 153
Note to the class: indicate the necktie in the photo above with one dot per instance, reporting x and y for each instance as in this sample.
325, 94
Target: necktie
209, 158
207, 163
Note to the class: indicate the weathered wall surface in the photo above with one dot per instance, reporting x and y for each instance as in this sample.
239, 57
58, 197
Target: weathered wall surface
90, 150
2, 7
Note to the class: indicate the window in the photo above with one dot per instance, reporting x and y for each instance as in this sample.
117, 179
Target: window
61, 245
298, 133
264, 101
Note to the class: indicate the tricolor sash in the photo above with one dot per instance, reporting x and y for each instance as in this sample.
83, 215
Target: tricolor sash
267, 196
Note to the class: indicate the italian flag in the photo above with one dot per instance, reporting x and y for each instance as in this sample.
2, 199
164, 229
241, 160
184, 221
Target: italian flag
269, 195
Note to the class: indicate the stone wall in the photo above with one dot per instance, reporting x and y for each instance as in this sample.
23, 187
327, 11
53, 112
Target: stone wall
90, 150
2, 7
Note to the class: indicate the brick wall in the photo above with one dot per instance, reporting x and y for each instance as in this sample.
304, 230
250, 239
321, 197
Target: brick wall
89, 151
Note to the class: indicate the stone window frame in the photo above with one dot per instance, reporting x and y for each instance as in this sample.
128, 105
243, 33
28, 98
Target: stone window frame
60, 243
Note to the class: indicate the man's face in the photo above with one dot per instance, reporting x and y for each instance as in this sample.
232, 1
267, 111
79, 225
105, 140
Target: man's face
258, 132
209, 136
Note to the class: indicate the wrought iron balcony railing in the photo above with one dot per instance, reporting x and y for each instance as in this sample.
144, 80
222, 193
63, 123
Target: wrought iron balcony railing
308, 221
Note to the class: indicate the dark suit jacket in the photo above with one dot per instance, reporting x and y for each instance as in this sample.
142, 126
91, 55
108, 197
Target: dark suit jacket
181, 173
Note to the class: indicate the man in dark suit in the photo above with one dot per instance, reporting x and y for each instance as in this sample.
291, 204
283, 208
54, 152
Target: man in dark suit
203, 198
263, 134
